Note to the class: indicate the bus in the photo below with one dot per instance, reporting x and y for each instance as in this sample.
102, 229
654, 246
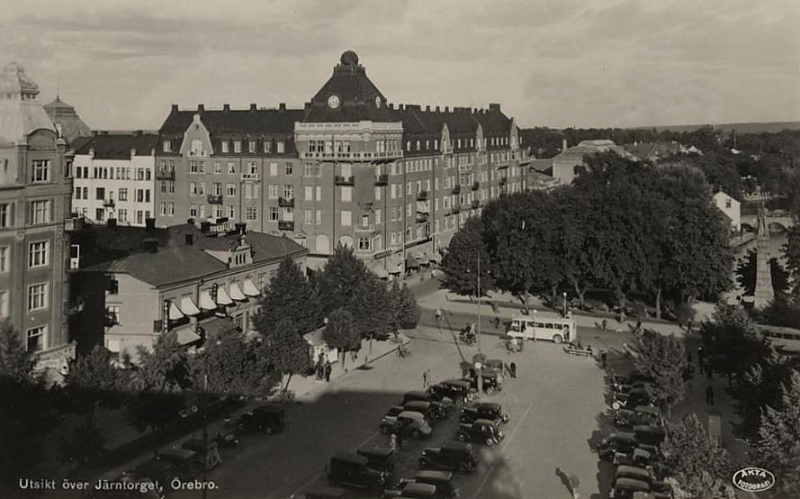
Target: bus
555, 329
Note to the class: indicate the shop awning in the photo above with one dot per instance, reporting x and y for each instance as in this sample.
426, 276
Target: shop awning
188, 307
222, 297
206, 303
394, 266
216, 325
236, 293
250, 288
435, 257
187, 335
174, 312
411, 261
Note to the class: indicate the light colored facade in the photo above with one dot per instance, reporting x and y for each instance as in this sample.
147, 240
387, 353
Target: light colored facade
114, 178
565, 163
731, 208
35, 191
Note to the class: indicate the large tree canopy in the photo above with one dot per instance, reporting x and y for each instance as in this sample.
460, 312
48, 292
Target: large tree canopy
289, 295
460, 263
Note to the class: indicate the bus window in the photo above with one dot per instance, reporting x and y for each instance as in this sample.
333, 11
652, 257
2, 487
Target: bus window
548, 326
539, 324
557, 326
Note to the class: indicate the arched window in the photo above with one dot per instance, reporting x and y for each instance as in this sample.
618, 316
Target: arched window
323, 245
346, 241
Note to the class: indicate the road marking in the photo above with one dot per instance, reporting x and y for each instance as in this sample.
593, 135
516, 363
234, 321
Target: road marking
508, 441
321, 473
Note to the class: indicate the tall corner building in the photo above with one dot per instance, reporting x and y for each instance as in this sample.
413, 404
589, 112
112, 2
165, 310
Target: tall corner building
392, 181
35, 193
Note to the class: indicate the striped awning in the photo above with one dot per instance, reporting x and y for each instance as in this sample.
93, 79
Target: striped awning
250, 288
206, 303
188, 307
174, 312
236, 293
394, 266
187, 335
222, 297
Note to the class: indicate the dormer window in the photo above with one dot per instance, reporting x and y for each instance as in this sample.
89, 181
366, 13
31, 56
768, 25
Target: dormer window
251, 147
196, 147
167, 146
237, 146
280, 147
225, 147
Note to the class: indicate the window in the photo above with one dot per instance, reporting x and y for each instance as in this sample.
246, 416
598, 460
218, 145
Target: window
273, 169
347, 194
347, 218
123, 194
100, 193
35, 338
217, 168
202, 167
288, 214
251, 213
288, 191
728, 203
163, 206
112, 314
171, 209
122, 215
378, 217
193, 210
99, 214
201, 189
3, 303
230, 190
309, 193
231, 168
252, 168
289, 168
394, 191
231, 212
280, 147
319, 193
250, 191
364, 221
192, 166
40, 212
139, 217
237, 146
364, 244
40, 171
311, 170
37, 297
318, 217
5, 255
409, 210
86, 193
267, 145
5, 215
273, 191
193, 188
38, 254
273, 213
167, 146
225, 147
308, 217
251, 147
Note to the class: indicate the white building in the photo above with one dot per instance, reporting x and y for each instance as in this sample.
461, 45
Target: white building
115, 177
731, 208
565, 163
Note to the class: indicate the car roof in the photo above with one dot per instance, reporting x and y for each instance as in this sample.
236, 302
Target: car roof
623, 435
417, 403
454, 381
484, 421
419, 487
626, 468
488, 405
350, 458
410, 415
648, 429
435, 475
632, 483
649, 409
456, 446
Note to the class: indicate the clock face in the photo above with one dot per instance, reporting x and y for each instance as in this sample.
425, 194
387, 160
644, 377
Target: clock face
378, 101
333, 102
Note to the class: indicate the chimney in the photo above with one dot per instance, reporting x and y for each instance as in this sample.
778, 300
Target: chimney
437, 109
174, 108
427, 109
282, 106
400, 107
253, 107
149, 224
201, 108
133, 151
391, 106
91, 151
205, 226
138, 133
564, 145
241, 228
111, 223
494, 107
189, 239
226, 107
446, 109
151, 245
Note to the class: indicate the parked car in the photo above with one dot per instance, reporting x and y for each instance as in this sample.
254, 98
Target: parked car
390, 419
186, 463
412, 424
454, 456
440, 407
627, 387
617, 381
379, 458
207, 451
491, 378
484, 410
443, 480
639, 415
269, 418
649, 435
482, 430
635, 397
629, 488
622, 442
639, 473
354, 471
424, 408
415, 490
457, 390
635, 457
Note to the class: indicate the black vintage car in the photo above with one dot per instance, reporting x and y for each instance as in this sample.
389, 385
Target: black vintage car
618, 381
454, 456
484, 410
379, 458
442, 480
457, 390
438, 406
635, 457
482, 430
643, 395
639, 415
413, 490
269, 418
630, 488
649, 435
622, 442
390, 419
354, 471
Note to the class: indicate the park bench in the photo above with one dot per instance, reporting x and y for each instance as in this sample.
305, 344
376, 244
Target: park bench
580, 353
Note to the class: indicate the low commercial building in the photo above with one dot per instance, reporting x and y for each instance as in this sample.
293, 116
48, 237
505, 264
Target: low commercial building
190, 280
570, 158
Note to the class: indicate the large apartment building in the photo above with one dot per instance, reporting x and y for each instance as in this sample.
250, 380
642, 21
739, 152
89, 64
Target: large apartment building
114, 177
35, 192
349, 168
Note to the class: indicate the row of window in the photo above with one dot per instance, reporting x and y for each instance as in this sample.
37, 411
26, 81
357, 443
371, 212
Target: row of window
121, 215
140, 195
39, 212
113, 173
446, 144
196, 146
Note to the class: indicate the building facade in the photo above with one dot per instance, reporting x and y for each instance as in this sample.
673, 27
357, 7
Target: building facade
565, 163
69, 125
193, 281
35, 195
114, 178
349, 168
731, 208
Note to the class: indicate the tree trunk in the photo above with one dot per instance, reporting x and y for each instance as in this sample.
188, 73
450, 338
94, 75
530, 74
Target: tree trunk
658, 303
553, 296
288, 380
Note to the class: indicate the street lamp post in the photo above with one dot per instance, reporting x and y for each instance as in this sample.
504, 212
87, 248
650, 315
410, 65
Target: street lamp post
565, 303
479, 367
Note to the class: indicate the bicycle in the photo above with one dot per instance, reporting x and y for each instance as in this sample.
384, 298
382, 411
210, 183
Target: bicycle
403, 351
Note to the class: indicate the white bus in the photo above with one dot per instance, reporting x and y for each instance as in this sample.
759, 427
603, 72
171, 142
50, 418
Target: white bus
556, 329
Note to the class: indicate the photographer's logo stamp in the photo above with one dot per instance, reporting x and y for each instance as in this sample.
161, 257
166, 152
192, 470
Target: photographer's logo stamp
753, 479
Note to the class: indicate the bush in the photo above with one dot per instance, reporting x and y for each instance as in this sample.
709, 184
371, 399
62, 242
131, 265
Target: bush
781, 312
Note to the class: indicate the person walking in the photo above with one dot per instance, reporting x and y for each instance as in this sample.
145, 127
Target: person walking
425, 380
512, 368
701, 359
574, 483
328, 371
603, 357
393, 442
709, 395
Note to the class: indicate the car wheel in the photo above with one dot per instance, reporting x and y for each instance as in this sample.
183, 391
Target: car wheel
490, 391
489, 442
461, 437
416, 435
558, 339
616, 405
268, 430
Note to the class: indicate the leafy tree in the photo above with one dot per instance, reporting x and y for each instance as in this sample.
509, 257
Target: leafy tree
288, 351
759, 387
460, 263
574, 246
746, 274
408, 311
230, 364
696, 460
731, 343
791, 251
778, 445
664, 359
289, 295
372, 308
87, 443
15, 361
341, 333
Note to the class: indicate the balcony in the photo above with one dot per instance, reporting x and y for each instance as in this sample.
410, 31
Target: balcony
422, 217
285, 225
476, 186
342, 180
73, 309
111, 320
502, 165
382, 179
455, 210
109, 203
457, 189
214, 199
422, 196
251, 177
286, 202
503, 180
476, 203
165, 174
365, 228
73, 224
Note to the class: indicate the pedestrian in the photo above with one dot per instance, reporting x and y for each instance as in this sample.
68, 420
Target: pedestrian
709, 395
604, 324
589, 350
393, 442
574, 482
689, 356
438, 314
603, 358
512, 367
328, 371
701, 358
425, 380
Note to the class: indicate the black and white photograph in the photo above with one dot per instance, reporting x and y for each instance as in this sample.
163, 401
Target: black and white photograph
432, 249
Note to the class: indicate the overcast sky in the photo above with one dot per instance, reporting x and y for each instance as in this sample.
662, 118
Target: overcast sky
548, 62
